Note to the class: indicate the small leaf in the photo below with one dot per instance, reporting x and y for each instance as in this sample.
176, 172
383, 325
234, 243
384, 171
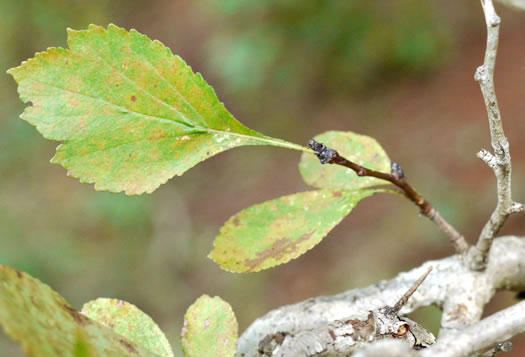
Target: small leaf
361, 149
47, 326
129, 321
276, 231
210, 329
130, 113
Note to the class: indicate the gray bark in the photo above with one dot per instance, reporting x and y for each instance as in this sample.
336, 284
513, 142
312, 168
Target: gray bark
460, 292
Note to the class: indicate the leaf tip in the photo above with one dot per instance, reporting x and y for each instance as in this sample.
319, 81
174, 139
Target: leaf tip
231, 266
223, 265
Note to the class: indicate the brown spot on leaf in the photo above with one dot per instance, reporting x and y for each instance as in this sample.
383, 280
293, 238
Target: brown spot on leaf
337, 194
277, 251
332, 334
133, 98
77, 316
128, 346
236, 221
19, 274
157, 134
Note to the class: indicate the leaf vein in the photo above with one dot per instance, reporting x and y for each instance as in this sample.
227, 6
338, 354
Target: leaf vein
147, 116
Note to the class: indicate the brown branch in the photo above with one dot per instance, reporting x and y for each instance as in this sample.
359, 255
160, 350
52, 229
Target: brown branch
397, 177
500, 161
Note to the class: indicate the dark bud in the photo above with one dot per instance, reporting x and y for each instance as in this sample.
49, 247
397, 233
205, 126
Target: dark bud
397, 171
325, 154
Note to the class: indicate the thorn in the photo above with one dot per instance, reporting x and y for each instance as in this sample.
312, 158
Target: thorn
410, 291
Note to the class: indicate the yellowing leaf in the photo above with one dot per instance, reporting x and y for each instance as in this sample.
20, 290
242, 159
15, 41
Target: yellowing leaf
47, 326
276, 231
131, 115
361, 149
210, 329
129, 321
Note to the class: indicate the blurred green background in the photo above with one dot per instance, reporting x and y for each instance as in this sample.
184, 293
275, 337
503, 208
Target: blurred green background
399, 71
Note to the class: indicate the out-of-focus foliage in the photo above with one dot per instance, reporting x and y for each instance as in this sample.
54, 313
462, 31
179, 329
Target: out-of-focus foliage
47, 326
330, 44
129, 321
210, 329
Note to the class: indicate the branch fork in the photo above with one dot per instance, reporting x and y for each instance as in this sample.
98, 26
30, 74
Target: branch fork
500, 160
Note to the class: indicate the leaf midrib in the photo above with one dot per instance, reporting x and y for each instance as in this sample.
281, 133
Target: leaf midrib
186, 123
171, 121
265, 139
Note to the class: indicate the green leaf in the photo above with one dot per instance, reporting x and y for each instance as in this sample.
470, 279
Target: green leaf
47, 326
361, 149
276, 231
210, 329
131, 115
129, 321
